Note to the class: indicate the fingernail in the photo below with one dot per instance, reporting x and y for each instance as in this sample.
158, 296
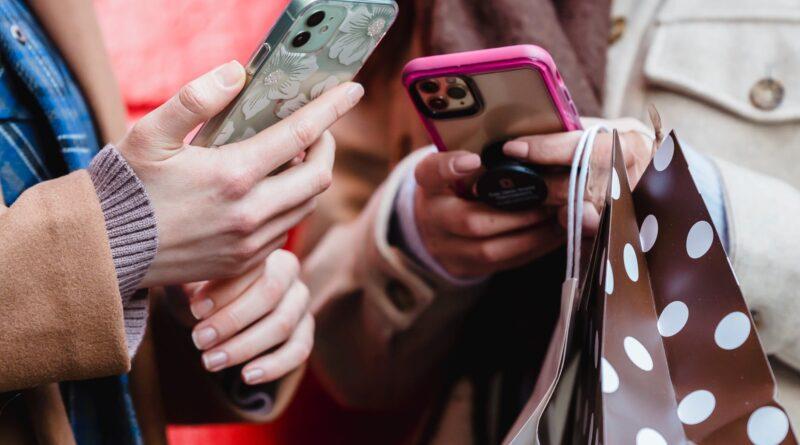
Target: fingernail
215, 360
201, 308
230, 74
355, 92
466, 163
253, 375
516, 149
204, 337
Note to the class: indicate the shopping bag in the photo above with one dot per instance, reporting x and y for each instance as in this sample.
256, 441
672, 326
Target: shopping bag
654, 344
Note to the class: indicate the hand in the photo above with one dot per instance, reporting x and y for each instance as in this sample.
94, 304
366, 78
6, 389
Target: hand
468, 238
557, 150
261, 317
218, 212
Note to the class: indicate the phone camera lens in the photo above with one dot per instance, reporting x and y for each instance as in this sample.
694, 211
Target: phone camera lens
429, 86
301, 39
457, 92
315, 19
438, 103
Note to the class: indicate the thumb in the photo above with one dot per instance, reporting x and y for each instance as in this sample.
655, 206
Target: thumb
437, 171
198, 101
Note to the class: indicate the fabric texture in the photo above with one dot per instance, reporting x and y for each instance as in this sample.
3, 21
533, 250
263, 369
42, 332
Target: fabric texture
573, 31
132, 234
66, 141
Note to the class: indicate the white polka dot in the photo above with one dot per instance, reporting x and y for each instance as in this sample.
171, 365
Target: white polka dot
767, 425
699, 240
664, 154
638, 353
614, 184
649, 436
696, 407
732, 330
609, 380
673, 318
609, 278
648, 233
631, 262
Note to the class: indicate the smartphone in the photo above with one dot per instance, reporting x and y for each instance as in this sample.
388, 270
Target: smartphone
478, 100
314, 46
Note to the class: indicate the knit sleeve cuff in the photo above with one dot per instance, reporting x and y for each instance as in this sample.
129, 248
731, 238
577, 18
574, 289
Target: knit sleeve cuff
131, 227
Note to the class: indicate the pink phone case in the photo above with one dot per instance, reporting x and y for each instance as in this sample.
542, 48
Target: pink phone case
494, 60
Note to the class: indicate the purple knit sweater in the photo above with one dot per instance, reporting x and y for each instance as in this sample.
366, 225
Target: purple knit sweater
132, 234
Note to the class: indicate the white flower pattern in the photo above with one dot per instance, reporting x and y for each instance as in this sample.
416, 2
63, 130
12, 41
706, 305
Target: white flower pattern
224, 135
290, 106
284, 72
360, 32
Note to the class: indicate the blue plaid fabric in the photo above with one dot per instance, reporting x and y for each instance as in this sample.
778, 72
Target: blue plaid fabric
46, 130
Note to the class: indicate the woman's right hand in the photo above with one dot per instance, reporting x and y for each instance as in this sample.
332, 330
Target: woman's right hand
217, 210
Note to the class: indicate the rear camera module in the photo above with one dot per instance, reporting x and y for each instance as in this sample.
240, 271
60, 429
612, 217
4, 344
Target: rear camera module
457, 92
429, 86
315, 19
438, 103
301, 39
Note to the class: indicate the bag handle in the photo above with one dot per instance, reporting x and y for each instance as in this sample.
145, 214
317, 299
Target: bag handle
578, 175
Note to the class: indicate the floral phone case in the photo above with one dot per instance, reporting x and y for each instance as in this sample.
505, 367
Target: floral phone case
283, 77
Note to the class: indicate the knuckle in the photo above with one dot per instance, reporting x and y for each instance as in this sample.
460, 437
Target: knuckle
235, 183
488, 254
244, 251
232, 322
303, 133
473, 225
192, 99
273, 290
283, 326
322, 180
243, 222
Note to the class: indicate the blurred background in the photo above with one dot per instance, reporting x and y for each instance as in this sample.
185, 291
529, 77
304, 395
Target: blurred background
156, 47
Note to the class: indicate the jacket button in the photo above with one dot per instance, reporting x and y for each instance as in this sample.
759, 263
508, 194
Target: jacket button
16, 32
767, 94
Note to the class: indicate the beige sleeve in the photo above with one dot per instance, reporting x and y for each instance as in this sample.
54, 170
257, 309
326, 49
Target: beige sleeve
60, 308
764, 241
385, 326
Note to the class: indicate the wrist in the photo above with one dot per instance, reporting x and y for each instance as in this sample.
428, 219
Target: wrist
129, 217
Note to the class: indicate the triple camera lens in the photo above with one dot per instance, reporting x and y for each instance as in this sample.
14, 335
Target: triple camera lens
315, 19
438, 103
301, 39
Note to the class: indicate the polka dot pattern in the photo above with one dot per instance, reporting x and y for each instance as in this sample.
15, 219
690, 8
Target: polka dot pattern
614, 184
673, 318
638, 354
609, 379
649, 436
664, 155
732, 331
609, 278
631, 262
767, 425
648, 233
696, 407
699, 239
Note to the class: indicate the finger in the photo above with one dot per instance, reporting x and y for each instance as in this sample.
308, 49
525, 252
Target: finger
281, 142
589, 222
264, 334
278, 226
438, 171
524, 244
285, 359
218, 293
298, 184
545, 149
196, 102
471, 219
281, 269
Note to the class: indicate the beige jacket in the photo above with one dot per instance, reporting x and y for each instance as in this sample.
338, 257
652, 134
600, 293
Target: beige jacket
385, 325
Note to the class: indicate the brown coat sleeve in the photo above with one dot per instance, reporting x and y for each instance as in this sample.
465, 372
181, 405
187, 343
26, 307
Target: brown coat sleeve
60, 308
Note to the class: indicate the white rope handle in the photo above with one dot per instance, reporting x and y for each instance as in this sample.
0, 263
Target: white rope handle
578, 176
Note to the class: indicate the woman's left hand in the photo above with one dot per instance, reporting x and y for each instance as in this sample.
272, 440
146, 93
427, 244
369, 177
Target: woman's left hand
261, 317
557, 150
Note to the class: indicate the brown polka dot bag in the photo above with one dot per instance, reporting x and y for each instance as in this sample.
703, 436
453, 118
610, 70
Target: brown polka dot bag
655, 344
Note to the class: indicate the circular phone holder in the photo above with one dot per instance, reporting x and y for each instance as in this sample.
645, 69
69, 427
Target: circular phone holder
509, 184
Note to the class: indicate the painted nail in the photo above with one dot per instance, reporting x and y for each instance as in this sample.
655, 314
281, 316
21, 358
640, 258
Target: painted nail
253, 375
517, 149
202, 338
201, 308
355, 92
229, 74
466, 163
215, 361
